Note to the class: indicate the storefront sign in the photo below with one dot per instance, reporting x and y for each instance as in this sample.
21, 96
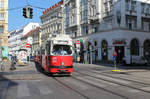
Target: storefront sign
119, 42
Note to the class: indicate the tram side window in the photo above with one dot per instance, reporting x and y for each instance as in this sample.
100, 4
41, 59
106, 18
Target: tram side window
58, 49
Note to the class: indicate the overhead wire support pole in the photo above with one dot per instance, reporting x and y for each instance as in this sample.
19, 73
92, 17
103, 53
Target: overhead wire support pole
38, 7
15, 8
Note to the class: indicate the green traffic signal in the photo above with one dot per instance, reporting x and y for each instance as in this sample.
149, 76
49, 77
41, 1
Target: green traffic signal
28, 12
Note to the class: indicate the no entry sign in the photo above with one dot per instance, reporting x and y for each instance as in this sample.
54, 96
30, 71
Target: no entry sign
77, 42
28, 45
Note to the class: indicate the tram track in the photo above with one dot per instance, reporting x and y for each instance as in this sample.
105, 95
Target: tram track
125, 85
74, 90
138, 82
82, 94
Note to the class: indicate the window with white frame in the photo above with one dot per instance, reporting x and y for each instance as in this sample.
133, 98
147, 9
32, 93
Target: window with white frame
142, 7
1, 16
2, 4
146, 26
131, 24
133, 6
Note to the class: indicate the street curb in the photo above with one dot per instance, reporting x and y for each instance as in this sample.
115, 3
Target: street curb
130, 71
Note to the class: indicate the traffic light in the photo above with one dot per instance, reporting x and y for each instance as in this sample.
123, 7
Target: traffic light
25, 12
30, 12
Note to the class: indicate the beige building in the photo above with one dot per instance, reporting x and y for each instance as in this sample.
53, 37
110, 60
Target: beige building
4, 26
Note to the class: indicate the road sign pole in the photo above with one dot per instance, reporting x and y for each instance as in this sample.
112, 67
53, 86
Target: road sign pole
115, 64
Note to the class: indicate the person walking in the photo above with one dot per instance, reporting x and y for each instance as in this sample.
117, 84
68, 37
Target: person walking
13, 62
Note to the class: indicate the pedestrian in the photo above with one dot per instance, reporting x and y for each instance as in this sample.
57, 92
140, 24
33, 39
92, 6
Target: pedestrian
13, 62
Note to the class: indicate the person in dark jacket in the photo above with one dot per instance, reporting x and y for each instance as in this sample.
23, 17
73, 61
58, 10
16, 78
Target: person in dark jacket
13, 62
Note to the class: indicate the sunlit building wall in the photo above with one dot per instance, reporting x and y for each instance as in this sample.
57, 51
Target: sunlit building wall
4, 27
108, 25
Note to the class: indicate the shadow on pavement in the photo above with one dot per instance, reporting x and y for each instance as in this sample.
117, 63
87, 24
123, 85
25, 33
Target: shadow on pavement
5, 85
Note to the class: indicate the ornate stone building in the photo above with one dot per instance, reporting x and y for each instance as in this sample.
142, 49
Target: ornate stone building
52, 21
108, 25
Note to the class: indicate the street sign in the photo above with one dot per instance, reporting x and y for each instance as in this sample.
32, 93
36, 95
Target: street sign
28, 45
77, 42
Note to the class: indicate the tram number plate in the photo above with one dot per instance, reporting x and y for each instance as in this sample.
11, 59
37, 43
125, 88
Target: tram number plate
62, 71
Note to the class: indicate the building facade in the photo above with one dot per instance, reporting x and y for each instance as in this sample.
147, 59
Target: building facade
4, 28
52, 21
32, 38
14, 40
108, 25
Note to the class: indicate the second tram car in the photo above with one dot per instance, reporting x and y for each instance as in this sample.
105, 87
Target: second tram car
56, 54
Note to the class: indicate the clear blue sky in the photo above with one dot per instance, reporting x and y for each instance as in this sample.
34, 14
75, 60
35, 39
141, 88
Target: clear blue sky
15, 18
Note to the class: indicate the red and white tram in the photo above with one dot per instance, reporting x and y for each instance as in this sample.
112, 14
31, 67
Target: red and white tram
56, 55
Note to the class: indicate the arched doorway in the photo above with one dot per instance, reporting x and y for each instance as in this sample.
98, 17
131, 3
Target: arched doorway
146, 50
104, 51
134, 48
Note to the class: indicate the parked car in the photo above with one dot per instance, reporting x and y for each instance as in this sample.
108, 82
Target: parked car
139, 60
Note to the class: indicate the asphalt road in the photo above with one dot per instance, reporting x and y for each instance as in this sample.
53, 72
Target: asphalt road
87, 82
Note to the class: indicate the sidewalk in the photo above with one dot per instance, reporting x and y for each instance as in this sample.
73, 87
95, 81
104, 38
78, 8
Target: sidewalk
19, 66
22, 72
122, 68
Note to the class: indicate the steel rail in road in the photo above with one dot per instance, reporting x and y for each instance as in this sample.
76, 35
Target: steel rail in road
74, 90
134, 81
125, 85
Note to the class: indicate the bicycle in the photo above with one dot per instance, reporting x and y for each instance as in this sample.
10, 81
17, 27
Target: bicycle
2, 66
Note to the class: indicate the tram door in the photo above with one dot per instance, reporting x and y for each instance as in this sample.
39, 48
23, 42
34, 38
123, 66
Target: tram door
120, 53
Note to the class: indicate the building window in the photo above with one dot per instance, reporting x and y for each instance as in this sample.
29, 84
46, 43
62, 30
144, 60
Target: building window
1, 16
96, 29
86, 30
1, 29
95, 43
146, 26
131, 23
2, 4
142, 7
134, 45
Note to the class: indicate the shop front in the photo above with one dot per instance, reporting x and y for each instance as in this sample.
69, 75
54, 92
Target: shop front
119, 47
